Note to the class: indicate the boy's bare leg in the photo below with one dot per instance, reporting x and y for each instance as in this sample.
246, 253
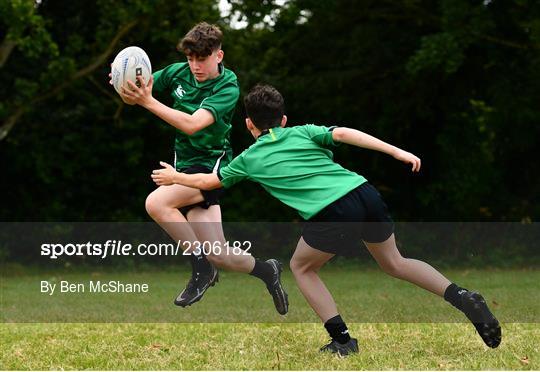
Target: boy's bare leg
417, 272
305, 264
162, 205
207, 226
206, 223
420, 273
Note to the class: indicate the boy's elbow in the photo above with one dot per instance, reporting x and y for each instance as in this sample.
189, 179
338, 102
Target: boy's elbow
338, 134
190, 127
190, 130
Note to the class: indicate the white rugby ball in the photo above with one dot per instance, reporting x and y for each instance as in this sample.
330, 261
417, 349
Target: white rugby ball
128, 64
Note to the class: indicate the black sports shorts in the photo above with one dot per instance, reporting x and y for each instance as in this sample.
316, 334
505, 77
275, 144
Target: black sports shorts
211, 197
340, 228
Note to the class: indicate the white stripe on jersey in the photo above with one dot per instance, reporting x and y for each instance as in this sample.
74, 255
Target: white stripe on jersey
216, 167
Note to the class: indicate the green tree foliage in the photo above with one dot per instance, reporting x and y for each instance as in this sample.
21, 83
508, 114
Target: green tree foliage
455, 81
70, 149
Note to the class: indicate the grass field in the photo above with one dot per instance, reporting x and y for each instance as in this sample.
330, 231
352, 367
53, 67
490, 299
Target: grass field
386, 315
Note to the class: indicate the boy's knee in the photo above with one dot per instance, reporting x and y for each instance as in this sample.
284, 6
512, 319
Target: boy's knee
156, 208
293, 265
152, 206
299, 267
215, 260
223, 261
393, 268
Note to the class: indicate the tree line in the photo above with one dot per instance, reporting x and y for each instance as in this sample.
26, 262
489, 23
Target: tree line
454, 81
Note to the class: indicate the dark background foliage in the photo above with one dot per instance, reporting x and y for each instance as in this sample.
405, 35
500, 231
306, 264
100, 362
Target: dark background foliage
456, 82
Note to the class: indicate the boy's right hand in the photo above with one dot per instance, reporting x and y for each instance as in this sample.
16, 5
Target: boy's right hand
409, 158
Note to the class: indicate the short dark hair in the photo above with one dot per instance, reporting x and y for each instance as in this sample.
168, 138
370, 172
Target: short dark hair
201, 41
264, 106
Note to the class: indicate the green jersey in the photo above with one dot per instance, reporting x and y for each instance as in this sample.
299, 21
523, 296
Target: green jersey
209, 147
295, 166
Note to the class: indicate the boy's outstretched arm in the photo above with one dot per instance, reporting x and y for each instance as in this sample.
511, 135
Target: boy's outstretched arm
169, 176
356, 138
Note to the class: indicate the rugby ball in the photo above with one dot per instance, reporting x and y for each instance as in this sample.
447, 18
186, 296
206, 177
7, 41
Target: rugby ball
127, 65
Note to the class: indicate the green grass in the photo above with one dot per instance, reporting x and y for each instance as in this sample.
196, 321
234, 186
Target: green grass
244, 332
260, 346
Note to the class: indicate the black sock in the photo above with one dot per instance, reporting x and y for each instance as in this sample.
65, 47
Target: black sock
200, 264
264, 271
453, 294
337, 329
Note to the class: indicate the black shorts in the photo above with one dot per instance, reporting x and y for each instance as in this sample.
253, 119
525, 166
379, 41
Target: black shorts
211, 197
340, 228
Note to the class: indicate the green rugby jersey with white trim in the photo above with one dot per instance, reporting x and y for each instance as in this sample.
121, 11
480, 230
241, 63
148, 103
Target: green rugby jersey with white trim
295, 166
210, 146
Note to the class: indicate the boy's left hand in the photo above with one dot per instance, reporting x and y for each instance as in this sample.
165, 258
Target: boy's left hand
164, 176
140, 96
409, 158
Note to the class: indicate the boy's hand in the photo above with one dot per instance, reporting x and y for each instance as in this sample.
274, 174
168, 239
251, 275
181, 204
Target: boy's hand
164, 176
126, 100
140, 96
110, 76
409, 158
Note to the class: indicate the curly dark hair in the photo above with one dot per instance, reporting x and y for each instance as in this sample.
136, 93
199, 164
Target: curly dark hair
201, 40
264, 106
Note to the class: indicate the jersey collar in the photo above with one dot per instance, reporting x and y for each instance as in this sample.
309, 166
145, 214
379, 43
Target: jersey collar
270, 131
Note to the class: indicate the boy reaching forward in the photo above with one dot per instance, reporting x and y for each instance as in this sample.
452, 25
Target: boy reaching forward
340, 206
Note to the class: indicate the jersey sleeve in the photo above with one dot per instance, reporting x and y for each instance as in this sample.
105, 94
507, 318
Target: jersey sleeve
321, 135
221, 102
234, 172
162, 78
